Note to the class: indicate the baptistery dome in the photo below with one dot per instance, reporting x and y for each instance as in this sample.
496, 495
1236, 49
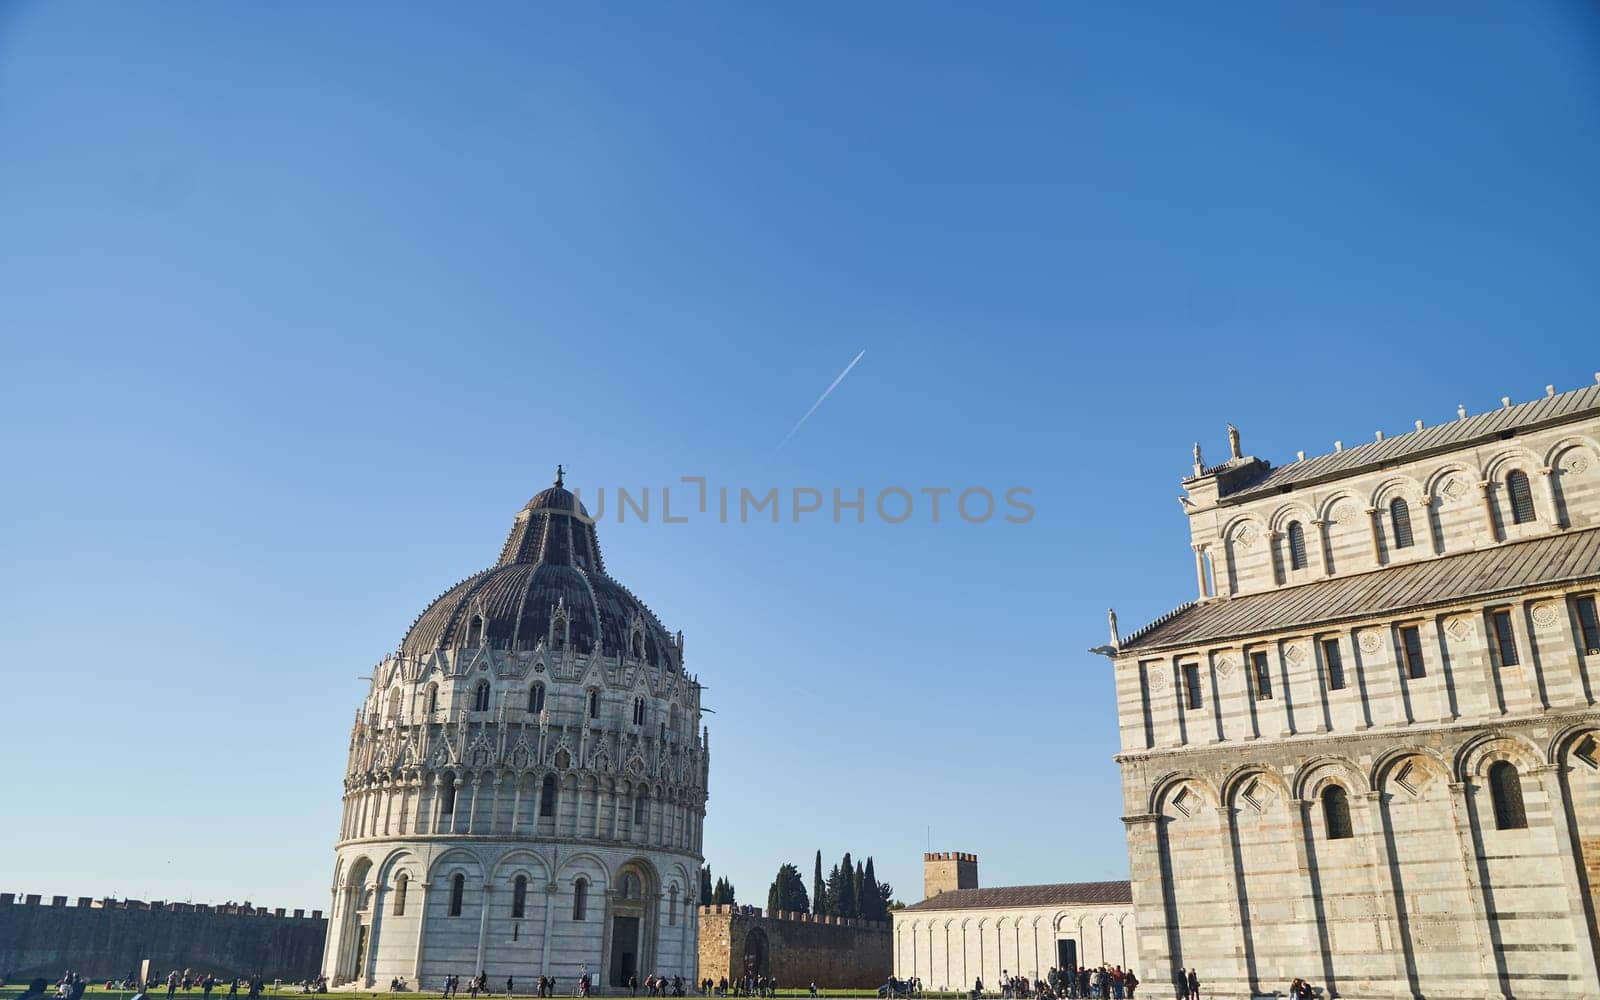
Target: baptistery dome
526, 782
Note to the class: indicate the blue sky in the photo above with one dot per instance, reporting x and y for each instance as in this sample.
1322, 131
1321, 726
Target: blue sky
298, 304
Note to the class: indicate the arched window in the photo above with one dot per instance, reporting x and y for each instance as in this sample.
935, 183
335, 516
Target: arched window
519, 896
1400, 519
630, 886
580, 899
638, 711
536, 697
458, 888
641, 808
594, 703
447, 794
1505, 788
480, 697
401, 883
1336, 813
638, 644
672, 720
547, 796
433, 699
1521, 496
394, 705
1297, 545
475, 632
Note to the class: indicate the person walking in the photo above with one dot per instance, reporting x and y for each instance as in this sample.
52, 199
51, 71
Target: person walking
1192, 983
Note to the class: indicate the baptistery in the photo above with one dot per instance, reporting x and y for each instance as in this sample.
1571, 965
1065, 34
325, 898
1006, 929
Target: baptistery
526, 783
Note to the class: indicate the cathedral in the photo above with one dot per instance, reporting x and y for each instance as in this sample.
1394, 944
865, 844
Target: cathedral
526, 783
1368, 753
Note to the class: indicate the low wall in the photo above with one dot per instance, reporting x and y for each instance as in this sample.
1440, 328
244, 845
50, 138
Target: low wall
794, 948
108, 938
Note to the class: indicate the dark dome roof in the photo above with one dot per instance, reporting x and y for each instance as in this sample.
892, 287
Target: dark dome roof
551, 561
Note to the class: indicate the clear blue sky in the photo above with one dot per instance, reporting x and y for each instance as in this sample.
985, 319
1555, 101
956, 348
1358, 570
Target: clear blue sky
299, 303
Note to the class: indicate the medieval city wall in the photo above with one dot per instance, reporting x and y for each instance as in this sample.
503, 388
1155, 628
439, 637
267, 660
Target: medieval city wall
794, 948
108, 938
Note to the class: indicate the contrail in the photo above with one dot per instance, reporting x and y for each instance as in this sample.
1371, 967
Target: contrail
831, 386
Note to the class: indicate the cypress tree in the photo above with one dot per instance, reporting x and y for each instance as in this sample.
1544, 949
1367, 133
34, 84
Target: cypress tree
845, 905
788, 892
871, 899
819, 892
705, 886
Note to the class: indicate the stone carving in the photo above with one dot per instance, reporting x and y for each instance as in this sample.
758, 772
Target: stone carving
1452, 489
1458, 629
1370, 642
1158, 681
1295, 654
1544, 615
1225, 665
1245, 537
1576, 463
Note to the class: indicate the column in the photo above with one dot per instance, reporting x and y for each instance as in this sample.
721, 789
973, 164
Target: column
1376, 526
472, 810
370, 973
1320, 534
1428, 628
1466, 843
1373, 831
516, 801
1486, 488
1200, 569
1435, 533
549, 922
1149, 898
1549, 778
1531, 666
483, 924
1547, 499
422, 934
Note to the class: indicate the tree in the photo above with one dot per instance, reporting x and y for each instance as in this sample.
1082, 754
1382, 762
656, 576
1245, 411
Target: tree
842, 889
819, 892
870, 897
705, 886
723, 893
788, 892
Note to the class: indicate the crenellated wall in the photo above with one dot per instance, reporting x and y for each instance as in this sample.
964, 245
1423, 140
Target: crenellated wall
795, 948
108, 938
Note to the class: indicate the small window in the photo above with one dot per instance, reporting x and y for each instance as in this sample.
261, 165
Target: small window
433, 698
519, 897
594, 703
1336, 813
475, 632
1589, 625
1411, 644
458, 888
394, 705
1333, 662
580, 899
638, 711
547, 796
536, 697
672, 906
1261, 669
1191, 686
447, 794
1505, 788
638, 644
1505, 639
1400, 521
400, 885
1297, 545
480, 697
1521, 497
641, 808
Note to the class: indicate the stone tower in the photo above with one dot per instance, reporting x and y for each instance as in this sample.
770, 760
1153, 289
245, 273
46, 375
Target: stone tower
944, 871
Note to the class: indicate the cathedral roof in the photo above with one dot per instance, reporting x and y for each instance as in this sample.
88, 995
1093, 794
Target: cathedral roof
550, 570
1020, 896
1552, 559
1557, 408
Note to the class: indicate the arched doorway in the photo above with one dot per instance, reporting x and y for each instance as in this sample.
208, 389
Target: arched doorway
757, 953
356, 925
633, 902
